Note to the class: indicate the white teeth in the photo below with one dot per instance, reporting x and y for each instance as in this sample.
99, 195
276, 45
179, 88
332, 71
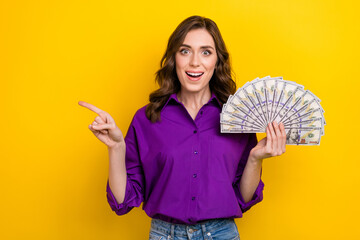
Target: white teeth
194, 74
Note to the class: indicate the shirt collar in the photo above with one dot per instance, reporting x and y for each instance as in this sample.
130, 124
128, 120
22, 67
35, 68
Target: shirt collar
174, 97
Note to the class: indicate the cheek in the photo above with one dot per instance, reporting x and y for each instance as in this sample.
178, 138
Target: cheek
180, 62
211, 63
179, 66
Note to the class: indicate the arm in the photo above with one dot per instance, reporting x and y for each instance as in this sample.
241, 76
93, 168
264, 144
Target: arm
272, 145
248, 185
125, 188
250, 178
117, 171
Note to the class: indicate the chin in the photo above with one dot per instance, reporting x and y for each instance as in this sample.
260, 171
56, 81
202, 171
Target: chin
193, 88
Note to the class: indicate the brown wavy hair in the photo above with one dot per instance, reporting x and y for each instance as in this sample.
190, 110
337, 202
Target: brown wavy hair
221, 83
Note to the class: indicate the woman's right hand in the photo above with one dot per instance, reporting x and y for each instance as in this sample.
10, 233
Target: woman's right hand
104, 127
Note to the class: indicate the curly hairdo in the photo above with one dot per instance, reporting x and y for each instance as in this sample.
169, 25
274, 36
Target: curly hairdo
221, 82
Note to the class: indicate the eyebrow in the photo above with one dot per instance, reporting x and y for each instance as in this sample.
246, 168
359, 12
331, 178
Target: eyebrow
206, 46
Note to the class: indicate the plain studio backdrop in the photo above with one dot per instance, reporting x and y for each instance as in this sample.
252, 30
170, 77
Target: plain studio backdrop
54, 53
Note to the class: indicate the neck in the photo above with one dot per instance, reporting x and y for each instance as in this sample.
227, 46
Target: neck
194, 100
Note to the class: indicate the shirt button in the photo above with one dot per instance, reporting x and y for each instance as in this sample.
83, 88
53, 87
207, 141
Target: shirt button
195, 131
193, 198
194, 176
201, 112
196, 152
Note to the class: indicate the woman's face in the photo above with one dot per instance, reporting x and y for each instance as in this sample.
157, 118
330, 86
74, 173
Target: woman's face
196, 60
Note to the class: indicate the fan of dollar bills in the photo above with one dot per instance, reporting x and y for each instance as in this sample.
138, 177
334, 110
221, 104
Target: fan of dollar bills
269, 99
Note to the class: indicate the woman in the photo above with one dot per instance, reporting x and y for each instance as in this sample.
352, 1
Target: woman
193, 180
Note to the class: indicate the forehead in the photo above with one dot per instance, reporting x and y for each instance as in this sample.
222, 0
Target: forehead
199, 37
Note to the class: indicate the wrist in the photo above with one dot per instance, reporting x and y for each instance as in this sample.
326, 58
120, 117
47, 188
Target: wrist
254, 160
117, 147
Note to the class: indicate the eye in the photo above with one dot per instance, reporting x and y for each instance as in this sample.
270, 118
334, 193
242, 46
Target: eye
206, 52
184, 51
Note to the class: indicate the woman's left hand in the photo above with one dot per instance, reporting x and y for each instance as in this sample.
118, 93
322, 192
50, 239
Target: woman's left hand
272, 145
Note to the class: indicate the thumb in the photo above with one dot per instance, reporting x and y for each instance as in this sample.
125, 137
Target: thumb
262, 142
102, 126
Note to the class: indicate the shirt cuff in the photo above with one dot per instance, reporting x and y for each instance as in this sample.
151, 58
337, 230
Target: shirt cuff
257, 197
122, 208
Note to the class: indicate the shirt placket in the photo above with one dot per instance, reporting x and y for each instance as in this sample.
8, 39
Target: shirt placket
195, 167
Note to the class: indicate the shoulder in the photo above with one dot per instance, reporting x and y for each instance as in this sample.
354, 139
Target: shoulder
141, 112
138, 122
140, 116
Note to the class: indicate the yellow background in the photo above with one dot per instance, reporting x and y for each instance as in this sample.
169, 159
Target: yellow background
54, 53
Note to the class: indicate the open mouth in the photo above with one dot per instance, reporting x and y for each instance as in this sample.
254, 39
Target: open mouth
194, 74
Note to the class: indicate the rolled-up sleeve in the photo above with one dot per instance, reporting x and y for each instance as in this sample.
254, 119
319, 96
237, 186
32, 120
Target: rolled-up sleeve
134, 191
258, 194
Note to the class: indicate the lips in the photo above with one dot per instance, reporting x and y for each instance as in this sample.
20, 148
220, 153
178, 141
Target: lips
194, 74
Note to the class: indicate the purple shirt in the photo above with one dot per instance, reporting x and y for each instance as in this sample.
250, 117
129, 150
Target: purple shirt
185, 170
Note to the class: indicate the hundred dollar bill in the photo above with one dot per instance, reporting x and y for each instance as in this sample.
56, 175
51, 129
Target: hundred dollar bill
277, 96
259, 85
270, 89
245, 126
291, 103
242, 97
309, 117
240, 108
261, 96
300, 136
249, 93
300, 103
237, 120
286, 96
304, 108
268, 99
303, 136
233, 112
306, 99
311, 123
303, 116
229, 128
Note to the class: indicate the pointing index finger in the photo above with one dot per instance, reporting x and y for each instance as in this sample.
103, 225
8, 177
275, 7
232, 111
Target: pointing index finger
90, 107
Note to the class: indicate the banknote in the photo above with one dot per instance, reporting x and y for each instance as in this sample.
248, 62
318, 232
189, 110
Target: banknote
242, 98
268, 99
230, 113
302, 102
261, 96
316, 123
289, 93
231, 128
230, 118
248, 92
238, 106
303, 136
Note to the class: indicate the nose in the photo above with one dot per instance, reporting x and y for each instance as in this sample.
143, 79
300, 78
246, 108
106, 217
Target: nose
194, 61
